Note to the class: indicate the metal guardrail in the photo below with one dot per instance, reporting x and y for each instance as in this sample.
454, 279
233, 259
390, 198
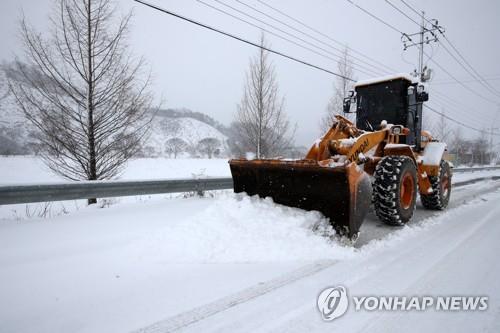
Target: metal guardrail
485, 168
17, 194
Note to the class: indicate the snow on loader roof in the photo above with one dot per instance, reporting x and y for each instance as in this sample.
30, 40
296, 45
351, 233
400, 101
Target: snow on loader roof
385, 78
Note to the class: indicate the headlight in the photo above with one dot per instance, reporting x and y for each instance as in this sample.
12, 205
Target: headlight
396, 130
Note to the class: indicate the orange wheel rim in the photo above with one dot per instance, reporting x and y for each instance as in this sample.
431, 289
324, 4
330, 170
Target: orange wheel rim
406, 190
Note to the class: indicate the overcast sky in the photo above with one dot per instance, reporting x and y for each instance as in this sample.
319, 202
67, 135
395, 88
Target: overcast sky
204, 71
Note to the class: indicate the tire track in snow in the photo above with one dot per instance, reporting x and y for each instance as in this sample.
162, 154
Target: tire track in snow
184, 319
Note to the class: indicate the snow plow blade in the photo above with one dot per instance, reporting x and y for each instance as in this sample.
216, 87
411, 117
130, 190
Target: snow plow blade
342, 194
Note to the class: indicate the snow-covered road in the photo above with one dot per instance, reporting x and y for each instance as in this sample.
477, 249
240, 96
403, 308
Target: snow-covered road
454, 254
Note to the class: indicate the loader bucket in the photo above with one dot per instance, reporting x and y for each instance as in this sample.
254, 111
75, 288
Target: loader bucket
342, 194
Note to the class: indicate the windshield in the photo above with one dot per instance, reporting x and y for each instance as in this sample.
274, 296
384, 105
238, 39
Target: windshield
383, 101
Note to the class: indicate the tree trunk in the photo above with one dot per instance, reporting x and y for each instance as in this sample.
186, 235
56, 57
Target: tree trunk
90, 106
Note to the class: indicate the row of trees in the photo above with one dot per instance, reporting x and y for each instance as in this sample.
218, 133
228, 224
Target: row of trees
207, 147
464, 151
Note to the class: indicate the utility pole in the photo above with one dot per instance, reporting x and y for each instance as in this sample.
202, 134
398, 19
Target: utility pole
421, 48
427, 34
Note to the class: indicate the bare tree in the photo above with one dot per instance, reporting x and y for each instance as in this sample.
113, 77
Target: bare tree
340, 89
83, 91
428, 121
209, 146
442, 130
480, 148
4, 88
174, 146
457, 145
261, 124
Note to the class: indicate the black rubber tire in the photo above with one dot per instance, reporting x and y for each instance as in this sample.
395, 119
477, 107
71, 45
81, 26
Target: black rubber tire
386, 196
440, 196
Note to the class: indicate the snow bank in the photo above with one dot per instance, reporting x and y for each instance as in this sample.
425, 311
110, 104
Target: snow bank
238, 228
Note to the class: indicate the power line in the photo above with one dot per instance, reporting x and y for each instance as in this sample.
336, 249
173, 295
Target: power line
437, 83
402, 12
281, 54
461, 83
448, 51
461, 106
449, 100
461, 123
280, 36
301, 23
430, 59
376, 17
289, 57
455, 112
308, 35
417, 12
435, 26
458, 108
468, 70
476, 75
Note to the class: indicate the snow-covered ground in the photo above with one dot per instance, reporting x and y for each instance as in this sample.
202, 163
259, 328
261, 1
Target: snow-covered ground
28, 169
233, 263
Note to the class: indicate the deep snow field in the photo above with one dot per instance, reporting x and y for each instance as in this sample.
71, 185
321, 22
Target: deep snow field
233, 263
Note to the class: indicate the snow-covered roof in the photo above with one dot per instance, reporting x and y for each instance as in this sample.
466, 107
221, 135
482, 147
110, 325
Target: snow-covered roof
392, 77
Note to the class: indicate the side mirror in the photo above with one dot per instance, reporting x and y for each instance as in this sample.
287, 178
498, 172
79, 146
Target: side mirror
422, 95
411, 90
347, 105
348, 100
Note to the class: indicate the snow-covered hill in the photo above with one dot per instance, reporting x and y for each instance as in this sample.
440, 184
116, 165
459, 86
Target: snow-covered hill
14, 129
188, 131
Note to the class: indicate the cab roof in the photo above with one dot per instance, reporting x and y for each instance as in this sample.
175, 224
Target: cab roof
387, 78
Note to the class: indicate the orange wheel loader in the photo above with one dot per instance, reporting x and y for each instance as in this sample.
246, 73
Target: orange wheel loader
384, 159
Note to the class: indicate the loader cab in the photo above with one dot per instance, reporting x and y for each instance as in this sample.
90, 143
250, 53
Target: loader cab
397, 100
